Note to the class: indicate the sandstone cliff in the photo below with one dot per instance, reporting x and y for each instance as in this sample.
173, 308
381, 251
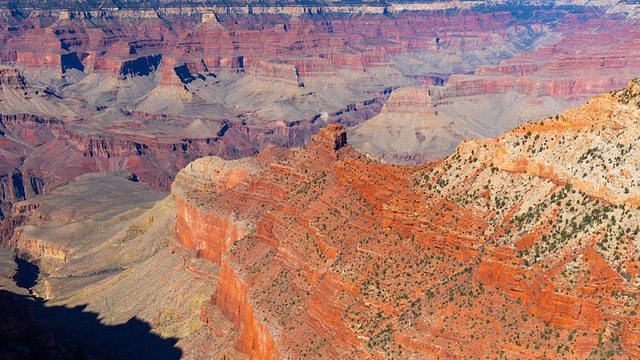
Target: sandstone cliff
520, 246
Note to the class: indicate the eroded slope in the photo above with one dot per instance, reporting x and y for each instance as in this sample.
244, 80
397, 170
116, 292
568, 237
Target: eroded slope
520, 246
105, 248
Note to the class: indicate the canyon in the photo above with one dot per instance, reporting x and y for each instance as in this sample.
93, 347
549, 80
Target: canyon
92, 87
497, 97
110, 265
294, 227
524, 245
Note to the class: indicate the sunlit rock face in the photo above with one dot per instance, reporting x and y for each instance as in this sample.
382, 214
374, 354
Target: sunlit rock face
97, 88
533, 232
321, 249
523, 245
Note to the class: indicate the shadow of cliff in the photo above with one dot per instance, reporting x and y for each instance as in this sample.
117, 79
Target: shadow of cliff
27, 274
30, 330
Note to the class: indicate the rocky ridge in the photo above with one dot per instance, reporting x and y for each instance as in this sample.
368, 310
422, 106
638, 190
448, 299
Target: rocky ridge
150, 90
499, 97
520, 246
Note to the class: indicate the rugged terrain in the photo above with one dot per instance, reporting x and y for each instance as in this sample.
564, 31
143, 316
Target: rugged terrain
110, 265
522, 246
569, 66
519, 246
149, 87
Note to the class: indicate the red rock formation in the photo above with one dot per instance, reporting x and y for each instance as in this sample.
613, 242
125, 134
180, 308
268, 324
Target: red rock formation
312, 67
232, 297
480, 254
551, 71
273, 46
324, 252
274, 72
212, 236
45, 49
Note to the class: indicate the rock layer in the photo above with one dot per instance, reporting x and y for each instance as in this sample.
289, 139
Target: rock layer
111, 255
521, 246
151, 90
497, 97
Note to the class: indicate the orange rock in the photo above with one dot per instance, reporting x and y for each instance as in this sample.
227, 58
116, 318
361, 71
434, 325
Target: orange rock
489, 251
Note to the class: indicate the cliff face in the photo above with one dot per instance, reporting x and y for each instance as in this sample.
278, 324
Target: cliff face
498, 97
150, 90
110, 255
210, 234
518, 246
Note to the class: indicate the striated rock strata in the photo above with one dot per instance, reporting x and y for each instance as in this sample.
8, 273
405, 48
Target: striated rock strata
559, 73
522, 246
109, 264
409, 130
110, 87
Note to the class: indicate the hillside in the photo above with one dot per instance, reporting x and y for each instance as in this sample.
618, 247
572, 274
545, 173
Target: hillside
148, 87
520, 246
108, 264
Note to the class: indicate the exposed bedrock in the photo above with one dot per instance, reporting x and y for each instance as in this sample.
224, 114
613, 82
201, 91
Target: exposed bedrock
497, 97
342, 255
93, 248
283, 74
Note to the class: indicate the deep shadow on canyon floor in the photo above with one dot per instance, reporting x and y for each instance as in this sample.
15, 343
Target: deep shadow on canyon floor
27, 274
31, 330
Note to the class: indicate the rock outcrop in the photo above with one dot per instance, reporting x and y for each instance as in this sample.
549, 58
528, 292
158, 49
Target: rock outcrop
409, 130
151, 90
518, 246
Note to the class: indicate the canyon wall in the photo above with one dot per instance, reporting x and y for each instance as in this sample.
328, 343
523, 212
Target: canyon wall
495, 98
518, 246
108, 262
151, 90
320, 251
